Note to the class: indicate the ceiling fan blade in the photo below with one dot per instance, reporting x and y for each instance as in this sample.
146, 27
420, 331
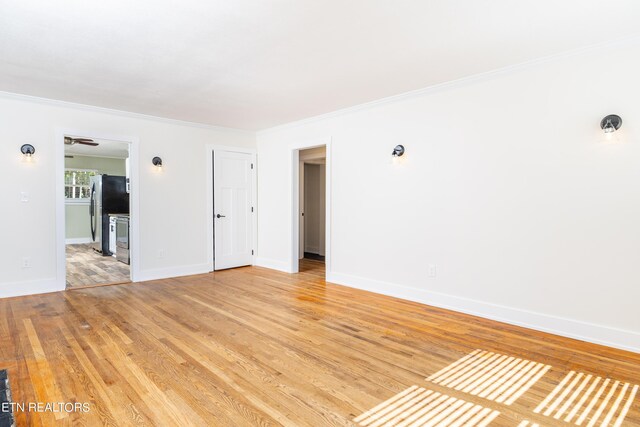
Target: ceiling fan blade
72, 141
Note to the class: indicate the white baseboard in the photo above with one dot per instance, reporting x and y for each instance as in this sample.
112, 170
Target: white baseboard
52, 285
77, 241
312, 249
598, 334
272, 264
169, 272
30, 287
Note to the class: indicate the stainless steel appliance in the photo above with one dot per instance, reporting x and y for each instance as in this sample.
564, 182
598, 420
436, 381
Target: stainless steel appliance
112, 234
108, 195
122, 239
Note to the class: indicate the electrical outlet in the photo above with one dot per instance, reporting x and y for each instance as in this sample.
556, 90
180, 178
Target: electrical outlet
26, 262
161, 253
431, 270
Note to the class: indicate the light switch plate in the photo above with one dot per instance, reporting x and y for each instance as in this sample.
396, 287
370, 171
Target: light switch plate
24, 196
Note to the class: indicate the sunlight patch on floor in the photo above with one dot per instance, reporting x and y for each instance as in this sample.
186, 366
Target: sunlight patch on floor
417, 406
580, 398
492, 376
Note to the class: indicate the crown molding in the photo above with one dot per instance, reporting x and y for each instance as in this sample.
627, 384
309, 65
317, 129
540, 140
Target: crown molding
451, 84
121, 113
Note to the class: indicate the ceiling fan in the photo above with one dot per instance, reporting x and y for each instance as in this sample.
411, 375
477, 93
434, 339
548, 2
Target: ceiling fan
84, 141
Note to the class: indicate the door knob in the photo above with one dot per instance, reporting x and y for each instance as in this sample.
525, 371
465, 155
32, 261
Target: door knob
220, 216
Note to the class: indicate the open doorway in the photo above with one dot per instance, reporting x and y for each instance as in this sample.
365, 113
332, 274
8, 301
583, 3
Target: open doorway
97, 211
312, 174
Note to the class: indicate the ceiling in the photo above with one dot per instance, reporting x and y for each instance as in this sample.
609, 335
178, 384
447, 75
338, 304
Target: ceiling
107, 148
254, 64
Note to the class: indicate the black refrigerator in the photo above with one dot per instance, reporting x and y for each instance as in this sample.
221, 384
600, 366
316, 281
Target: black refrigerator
108, 196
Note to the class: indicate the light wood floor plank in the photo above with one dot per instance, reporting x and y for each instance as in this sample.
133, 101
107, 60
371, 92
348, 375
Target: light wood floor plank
253, 346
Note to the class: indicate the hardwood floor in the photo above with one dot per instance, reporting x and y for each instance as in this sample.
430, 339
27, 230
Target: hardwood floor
85, 267
313, 257
253, 346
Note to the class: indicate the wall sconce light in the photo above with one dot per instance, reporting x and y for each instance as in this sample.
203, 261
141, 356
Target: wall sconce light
398, 151
611, 123
157, 162
28, 151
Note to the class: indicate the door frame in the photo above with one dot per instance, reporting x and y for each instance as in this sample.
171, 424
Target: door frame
134, 200
294, 197
301, 219
210, 149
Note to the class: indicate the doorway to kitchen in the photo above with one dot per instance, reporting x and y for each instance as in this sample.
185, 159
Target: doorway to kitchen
97, 211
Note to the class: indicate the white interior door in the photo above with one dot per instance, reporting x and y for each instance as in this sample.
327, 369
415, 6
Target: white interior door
232, 209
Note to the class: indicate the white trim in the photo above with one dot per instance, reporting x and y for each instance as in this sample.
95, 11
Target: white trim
599, 334
302, 221
82, 170
122, 113
209, 149
272, 264
294, 200
171, 272
77, 241
134, 200
75, 202
233, 149
94, 157
450, 84
60, 205
134, 203
29, 287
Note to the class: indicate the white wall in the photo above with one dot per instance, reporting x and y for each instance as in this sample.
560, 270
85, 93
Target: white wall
172, 202
506, 187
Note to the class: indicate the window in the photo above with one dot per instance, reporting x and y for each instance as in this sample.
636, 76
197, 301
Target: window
77, 186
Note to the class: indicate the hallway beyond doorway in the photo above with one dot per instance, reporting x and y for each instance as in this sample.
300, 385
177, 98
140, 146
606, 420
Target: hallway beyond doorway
312, 256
